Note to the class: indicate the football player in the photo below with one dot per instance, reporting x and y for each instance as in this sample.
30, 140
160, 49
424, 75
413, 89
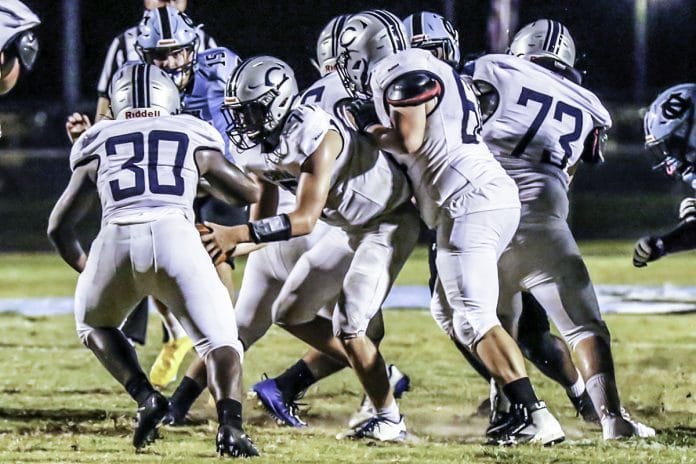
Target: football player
342, 179
122, 50
670, 134
145, 166
432, 32
267, 270
18, 43
541, 122
420, 110
182, 39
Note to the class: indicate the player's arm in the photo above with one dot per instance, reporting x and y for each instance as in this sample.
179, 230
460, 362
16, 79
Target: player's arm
71, 207
682, 238
267, 205
312, 191
227, 180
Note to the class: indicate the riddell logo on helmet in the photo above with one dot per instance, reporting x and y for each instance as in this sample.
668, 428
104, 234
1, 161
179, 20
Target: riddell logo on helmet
142, 113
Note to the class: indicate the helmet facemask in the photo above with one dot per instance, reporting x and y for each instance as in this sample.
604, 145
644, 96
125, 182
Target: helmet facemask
163, 57
675, 157
354, 75
250, 123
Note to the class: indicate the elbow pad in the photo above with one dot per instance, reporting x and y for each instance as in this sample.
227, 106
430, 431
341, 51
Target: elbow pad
413, 88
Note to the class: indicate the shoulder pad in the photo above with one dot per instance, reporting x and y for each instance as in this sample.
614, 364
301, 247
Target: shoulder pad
413, 88
305, 128
217, 62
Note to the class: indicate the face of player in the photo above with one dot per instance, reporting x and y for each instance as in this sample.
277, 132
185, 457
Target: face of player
178, 4
175, 63
9, 73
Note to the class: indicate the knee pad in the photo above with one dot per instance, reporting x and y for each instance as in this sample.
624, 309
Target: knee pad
596, 328
204, 346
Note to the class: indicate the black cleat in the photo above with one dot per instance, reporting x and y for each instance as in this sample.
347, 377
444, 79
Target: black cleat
584, 407
150, 414
234, 442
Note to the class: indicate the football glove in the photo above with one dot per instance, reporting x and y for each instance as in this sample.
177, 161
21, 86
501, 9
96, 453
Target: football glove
647, 249
687, 209
364, 114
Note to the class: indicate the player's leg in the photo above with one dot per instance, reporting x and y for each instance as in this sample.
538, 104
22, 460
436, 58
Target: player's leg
468, 251
106, 292
175, 345
566, 292
188, 284
263, 277
379, 257
551, 355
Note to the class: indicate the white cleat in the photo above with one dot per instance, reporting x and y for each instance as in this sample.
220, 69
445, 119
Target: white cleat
377, 428
400, 383
616, 427
533, 425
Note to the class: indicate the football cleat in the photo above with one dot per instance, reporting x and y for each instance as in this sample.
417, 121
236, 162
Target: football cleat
166, 366
150, 414
584, 407
234, 442
615, 427
174, 416
377, 428
533, 425
400, 383
272, 399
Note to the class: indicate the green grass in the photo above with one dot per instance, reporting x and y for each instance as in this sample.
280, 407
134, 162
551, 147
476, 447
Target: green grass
609, 262
57, 403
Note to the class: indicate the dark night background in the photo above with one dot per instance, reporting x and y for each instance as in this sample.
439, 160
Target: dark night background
602, 29
622, 198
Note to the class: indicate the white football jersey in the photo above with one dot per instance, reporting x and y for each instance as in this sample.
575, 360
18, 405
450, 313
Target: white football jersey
329, 94
542, 119
357, 194
146, 165
453, 157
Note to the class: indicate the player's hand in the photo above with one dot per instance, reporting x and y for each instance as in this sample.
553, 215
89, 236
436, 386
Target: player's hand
687, 209
647, 249
76, 124
363, 113
219, 241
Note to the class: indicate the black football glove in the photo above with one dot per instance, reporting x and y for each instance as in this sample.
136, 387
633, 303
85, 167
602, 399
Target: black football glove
647, 249
364, 114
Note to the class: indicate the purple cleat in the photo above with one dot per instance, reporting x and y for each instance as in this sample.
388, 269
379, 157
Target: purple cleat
271, 397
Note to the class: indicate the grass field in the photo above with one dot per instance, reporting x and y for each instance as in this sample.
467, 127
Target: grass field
57, 404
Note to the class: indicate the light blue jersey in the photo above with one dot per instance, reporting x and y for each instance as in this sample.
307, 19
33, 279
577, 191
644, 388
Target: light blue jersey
204, 95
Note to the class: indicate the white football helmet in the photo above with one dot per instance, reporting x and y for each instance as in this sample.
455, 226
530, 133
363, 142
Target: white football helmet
258, 97
142, 90
327, 45
434, 33
670, 132
367, 37
544, 38
167, 38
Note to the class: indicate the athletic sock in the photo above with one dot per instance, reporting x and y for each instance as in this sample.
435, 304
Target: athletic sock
520, 391
139, 388
390, 412
185, 395
295, 379
229, 412
578, 388
604, 396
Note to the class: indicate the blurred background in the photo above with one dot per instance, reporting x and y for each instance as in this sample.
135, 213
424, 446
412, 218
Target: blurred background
630, 50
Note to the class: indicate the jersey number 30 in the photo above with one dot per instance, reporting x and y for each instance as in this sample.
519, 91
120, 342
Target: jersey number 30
136, 141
